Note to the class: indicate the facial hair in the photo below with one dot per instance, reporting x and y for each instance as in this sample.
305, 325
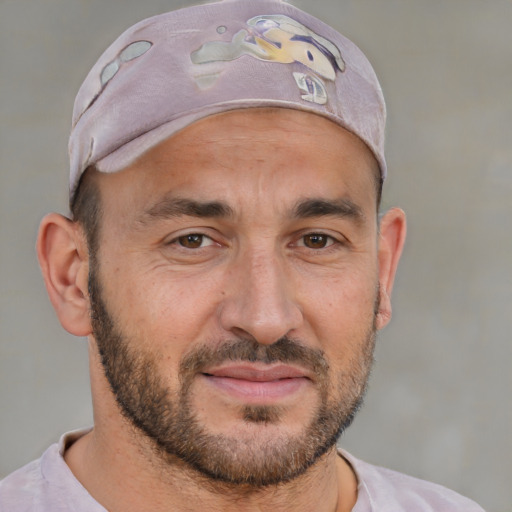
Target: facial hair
167, 417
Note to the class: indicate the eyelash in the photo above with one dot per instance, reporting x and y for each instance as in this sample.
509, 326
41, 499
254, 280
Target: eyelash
326, 241
190, 238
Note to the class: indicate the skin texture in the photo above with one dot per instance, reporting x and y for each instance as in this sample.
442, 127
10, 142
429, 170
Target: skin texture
290, 250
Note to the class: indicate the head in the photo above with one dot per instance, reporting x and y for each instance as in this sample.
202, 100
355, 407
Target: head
232, 275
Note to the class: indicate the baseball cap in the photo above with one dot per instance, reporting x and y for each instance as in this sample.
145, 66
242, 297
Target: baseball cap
173, 69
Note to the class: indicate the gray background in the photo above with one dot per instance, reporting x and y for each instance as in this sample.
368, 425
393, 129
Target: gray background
439, 404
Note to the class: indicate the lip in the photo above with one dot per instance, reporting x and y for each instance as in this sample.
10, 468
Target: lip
258, 383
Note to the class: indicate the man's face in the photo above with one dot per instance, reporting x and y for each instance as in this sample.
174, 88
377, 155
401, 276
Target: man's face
235, 290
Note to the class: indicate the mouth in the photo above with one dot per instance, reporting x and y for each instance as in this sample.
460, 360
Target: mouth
258, 383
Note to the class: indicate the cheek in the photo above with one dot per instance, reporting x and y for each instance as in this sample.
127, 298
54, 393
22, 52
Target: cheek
341, 310
164, 310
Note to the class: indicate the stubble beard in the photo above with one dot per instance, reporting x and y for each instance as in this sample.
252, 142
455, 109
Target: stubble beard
167, 418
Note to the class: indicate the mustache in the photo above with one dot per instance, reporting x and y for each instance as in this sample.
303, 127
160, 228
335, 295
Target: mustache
284, 350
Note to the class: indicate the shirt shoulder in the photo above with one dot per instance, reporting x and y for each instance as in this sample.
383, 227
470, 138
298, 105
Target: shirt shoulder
46, 485
385, 490
20, 491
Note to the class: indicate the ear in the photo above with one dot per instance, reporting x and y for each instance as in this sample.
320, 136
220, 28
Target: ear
391, 242
64, 261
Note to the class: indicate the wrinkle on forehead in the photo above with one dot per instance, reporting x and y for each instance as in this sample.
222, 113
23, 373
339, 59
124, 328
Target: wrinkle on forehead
209, 162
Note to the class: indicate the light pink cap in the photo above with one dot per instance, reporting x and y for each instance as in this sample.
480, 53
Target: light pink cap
170, 70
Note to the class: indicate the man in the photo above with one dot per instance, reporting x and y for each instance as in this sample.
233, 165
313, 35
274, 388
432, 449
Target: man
226, 261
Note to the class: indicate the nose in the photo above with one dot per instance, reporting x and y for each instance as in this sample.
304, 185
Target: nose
259, 302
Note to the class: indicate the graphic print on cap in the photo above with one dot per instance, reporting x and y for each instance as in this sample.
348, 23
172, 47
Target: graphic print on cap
129, 53
278, 38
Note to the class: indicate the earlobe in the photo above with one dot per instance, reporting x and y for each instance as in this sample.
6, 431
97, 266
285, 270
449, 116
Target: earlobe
63, 258
391, 242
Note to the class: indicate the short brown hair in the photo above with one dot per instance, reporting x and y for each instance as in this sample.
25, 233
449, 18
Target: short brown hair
85, 207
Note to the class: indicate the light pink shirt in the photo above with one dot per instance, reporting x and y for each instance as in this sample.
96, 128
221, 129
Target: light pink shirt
48, 485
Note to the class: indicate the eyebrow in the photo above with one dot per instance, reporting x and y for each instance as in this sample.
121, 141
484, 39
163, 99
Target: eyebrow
313, 207
177, 207
306, 208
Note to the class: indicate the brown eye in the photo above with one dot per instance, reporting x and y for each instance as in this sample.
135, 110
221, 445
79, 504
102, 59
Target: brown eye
316, 241
192, 241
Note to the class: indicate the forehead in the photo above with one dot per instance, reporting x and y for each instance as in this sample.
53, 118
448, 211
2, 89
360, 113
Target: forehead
242, 152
